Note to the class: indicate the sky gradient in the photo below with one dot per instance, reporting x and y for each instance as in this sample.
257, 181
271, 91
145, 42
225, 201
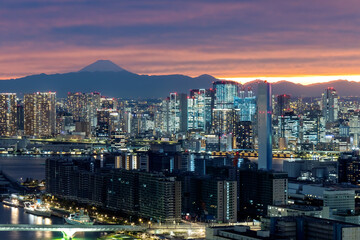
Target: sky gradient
242, 40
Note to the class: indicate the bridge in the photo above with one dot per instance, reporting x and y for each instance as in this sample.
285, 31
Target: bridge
69, 231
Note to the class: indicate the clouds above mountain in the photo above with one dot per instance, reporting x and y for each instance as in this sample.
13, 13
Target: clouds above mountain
230, 38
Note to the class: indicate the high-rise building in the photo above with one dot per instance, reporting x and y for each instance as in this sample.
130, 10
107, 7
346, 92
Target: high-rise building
40, 114
83, 107
289, 127
77, 106
224, 121
264, 104
329, 105
123, 193
93, 104
246, 106
20, 116
225, 93
200, 105
258, 189
159, 197
282, 104
103, 123
174, 113
349, 167
311, 128
244, 135
8, 114
219, 198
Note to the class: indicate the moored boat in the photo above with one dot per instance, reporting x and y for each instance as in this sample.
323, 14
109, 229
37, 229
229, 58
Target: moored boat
12, 202
37, 208
79, 219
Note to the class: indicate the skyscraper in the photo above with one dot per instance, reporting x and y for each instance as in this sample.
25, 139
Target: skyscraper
264, 103
174, 113
77, 106
40, 114
225, 93
200, 105
329, 104
8, 114
93, 104
246, 106
283, 104
104, 123
20, 115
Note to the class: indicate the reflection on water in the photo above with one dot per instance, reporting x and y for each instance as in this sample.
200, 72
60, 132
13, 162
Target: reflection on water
33, 167
13, 215
43, 235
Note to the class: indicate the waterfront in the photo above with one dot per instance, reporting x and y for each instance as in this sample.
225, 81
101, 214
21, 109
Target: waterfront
13, 215
34, 167
22, 167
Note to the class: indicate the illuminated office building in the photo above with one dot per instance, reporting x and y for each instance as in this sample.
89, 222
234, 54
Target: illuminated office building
199, 108
174, 113
246, 105
8, 114
289, 126
224, 121
330, 105
311, 128
225, 93
40, 114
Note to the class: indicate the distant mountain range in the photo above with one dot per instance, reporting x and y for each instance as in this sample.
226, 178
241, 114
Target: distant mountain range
109, 79
343, 88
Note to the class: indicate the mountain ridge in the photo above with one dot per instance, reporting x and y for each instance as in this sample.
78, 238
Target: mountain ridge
102, 66
112, 80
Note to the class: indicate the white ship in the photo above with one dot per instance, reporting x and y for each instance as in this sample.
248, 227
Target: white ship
12, 201
79, 219
38, 209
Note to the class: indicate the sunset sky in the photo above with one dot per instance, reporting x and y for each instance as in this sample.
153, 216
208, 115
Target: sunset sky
300, 41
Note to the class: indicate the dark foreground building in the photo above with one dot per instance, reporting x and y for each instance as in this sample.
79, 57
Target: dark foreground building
258, 189
150, 195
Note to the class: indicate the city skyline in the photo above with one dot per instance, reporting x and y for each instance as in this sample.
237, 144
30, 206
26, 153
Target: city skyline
236, 40
163, 119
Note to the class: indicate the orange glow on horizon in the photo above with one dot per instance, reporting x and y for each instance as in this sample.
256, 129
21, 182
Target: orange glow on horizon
304, 80
16, 62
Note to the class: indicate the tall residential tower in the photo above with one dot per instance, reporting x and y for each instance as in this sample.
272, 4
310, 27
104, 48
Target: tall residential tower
40, 114
8, 114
